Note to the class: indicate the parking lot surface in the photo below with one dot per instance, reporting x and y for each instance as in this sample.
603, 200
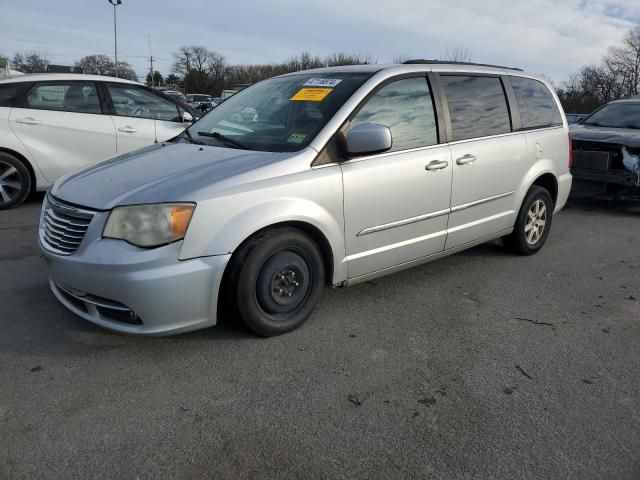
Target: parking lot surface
479, 365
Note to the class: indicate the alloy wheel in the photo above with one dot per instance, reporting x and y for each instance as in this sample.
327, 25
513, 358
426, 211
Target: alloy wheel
536, 222
10, 182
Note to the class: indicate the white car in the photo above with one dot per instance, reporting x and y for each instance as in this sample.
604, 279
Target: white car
51, 124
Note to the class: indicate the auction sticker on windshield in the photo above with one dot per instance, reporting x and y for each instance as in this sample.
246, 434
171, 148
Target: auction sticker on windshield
322, 82
311, 94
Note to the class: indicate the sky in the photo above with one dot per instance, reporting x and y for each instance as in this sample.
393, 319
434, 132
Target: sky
553, 37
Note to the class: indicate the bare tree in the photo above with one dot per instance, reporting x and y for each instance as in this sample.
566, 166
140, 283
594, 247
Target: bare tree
457, 53
30, 62
341, 58
200, 67
616, 76
401, 58
103, 65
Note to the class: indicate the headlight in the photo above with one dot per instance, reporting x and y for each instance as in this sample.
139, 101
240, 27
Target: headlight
149, 225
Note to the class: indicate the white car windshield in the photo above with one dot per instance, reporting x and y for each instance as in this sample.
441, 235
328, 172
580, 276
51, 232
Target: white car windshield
281, 114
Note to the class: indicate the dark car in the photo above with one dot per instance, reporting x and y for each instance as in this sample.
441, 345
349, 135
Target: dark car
200, 101
606, 149
575, 117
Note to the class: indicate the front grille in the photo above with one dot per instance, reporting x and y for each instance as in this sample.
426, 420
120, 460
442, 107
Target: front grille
63, 226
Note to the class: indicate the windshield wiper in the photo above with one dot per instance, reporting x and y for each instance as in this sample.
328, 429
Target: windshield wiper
226, 140
191, 139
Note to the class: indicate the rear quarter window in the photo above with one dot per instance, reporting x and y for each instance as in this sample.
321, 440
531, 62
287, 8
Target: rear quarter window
537, 107
11, 93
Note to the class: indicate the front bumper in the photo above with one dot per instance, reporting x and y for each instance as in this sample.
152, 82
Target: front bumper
137, 291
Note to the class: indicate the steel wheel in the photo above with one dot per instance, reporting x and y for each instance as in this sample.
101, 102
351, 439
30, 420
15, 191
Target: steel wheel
282, 283
536, 222
11, 183
276, 277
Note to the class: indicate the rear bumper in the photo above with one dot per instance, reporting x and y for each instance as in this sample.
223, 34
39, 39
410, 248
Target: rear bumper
564, 188
137, 291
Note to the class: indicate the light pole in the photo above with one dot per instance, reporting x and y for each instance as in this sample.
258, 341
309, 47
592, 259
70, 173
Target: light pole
115, 3
186, 54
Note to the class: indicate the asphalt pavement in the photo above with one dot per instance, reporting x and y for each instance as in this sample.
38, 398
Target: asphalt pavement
479, 365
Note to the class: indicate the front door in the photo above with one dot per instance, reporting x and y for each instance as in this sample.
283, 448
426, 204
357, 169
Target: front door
396, 203
142, 117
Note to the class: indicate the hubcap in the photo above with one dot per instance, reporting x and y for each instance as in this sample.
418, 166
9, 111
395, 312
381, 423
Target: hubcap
283, 283
536, 221
10, 182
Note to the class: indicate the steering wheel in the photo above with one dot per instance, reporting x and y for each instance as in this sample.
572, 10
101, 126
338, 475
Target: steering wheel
139, 111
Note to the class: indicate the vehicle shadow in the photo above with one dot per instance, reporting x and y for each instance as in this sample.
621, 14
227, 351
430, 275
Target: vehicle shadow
591, 203
35, 198
490, 249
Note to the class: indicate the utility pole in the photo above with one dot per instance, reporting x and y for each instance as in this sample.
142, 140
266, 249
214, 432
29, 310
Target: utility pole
186, 54
151, 72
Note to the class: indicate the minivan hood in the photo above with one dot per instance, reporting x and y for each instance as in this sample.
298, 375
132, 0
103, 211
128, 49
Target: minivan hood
159, 173
628, 137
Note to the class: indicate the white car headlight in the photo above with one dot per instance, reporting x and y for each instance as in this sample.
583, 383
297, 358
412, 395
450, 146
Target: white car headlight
149, 225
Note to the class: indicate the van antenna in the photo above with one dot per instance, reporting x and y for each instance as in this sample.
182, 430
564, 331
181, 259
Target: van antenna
153, 97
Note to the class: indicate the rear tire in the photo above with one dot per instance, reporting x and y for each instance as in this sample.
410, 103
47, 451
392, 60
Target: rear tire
533, 223
276, 278
15, 181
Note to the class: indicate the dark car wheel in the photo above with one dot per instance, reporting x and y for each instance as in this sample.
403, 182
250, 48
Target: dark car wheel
15, 181
532, 224
278, 277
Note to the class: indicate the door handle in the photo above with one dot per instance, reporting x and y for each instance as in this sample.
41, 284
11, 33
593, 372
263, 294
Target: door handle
436, 165
127, 129
468, 158
28, 121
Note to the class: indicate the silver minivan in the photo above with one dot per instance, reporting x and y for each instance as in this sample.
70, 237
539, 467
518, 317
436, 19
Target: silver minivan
336, 176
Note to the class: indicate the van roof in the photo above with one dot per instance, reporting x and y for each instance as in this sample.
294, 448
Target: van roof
422, 66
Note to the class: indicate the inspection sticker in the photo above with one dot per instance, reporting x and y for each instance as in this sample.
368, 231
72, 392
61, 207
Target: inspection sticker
297, 138
311, 94
322, 82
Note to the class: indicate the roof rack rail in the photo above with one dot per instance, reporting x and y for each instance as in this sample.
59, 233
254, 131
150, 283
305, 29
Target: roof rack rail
445, 62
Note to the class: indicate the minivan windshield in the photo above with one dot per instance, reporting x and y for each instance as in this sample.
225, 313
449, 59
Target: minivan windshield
616, 115
282, 114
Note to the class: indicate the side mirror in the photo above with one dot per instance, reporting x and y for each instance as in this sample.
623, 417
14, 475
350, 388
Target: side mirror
187, 117
368, 138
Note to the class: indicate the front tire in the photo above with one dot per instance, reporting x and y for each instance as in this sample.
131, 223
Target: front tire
15, 181
278, 277
533, 223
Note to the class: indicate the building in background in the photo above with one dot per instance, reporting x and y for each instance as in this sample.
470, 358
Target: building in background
52, 68
233, 90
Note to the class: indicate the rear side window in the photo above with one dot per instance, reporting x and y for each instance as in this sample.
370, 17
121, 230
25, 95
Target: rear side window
477, 106
78, 97
10, 93
537, 106
405, 107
